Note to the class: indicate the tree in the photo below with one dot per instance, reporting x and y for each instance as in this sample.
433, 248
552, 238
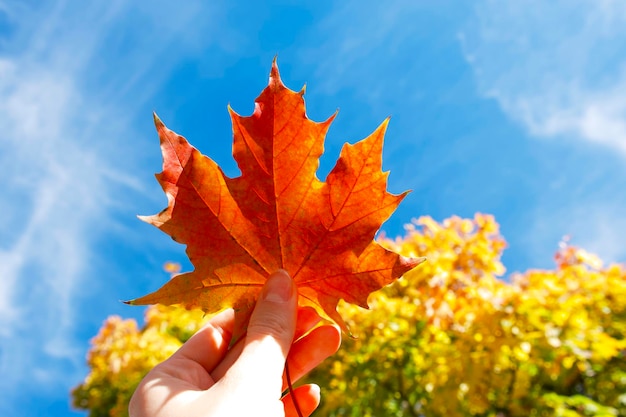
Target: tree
451, 338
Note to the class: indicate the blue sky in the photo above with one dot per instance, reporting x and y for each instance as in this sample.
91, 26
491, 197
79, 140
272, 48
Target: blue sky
517, 109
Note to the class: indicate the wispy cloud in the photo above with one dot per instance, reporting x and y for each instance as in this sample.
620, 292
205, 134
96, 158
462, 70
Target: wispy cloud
57, 188
372, 48
556, 67
63, 112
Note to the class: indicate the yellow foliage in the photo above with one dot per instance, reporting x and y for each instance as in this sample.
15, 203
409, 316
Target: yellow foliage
451, 338
461, 341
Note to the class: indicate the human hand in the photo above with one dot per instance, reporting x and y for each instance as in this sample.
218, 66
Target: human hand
206, 378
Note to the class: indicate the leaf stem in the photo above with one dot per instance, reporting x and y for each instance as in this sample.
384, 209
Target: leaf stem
293, 395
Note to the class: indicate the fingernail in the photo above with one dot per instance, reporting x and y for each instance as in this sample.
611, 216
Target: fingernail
279, 287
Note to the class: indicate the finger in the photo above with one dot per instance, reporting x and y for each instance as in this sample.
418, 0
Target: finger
311, 350
269, 337
308, 398
306, 320
231, 357
187, 369
209, 345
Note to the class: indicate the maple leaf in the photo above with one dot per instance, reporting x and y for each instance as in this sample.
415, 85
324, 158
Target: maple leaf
277, 214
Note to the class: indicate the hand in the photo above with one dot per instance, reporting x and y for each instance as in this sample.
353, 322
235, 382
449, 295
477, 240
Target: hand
206, 378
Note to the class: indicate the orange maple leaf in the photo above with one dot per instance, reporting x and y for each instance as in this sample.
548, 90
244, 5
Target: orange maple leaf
277, 214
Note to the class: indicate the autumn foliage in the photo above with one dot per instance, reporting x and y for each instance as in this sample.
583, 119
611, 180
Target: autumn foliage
454, 337
276, 214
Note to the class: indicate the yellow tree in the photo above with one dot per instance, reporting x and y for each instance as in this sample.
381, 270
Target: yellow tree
451, 338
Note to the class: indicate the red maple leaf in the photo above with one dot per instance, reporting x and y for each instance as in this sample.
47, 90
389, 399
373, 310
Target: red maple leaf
277, 214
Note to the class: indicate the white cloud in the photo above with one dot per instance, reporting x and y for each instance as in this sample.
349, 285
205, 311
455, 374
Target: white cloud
62, 116
557, 67
599, 117
52, 181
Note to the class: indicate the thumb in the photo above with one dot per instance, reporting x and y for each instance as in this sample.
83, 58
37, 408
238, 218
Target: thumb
270, 333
